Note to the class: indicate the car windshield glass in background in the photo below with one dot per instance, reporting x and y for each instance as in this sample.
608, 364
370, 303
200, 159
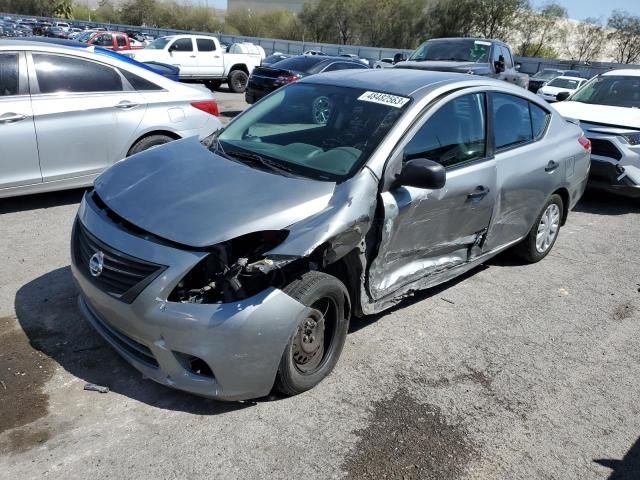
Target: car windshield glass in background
324, 132
547, 74
158, 43
564, 83
614, 90
453, 50
301, 63
8, 74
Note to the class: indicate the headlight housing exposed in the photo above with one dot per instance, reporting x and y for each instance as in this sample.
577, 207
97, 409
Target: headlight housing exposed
632, 138
233, 270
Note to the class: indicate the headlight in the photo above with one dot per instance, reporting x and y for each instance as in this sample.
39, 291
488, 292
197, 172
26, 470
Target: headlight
632, 138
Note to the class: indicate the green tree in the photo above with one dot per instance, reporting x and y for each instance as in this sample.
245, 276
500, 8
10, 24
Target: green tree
625, 37
445, 18
496, 18
63, 9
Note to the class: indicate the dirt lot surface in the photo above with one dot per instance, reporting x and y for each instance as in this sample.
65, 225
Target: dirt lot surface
513, 372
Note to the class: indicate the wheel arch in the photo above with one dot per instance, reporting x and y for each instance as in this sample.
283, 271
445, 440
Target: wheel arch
168, 133
564, 195
239, 66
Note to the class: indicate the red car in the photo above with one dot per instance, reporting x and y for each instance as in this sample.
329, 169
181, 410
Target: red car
113, 41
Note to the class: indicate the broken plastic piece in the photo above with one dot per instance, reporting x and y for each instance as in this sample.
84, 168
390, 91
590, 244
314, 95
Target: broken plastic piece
96, 388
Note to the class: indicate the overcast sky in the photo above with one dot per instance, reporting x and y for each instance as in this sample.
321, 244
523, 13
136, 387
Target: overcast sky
578, 9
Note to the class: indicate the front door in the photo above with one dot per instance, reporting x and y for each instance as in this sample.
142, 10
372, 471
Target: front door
75, 106
427, 232
183, 55
19, 158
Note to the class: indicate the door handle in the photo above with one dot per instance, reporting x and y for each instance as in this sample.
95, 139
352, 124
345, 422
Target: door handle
551, 166
479, 192
124, 105
11, 117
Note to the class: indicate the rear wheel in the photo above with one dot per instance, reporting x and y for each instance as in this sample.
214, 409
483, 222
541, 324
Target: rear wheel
540, 240
148, 142
238, 81
313, 350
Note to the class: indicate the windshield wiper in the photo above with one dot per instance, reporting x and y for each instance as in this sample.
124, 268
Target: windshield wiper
254, 157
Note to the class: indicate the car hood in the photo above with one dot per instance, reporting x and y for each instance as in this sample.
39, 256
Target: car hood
187, 194
148, 55
442, 66
603, 114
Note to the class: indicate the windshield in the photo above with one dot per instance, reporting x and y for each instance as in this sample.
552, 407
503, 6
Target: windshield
159, 43
85, 36
614, 90
463, 50
564, 83
324, 132
547, 74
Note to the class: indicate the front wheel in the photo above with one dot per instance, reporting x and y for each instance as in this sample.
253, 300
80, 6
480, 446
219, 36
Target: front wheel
540, 240
314, 348
238, 81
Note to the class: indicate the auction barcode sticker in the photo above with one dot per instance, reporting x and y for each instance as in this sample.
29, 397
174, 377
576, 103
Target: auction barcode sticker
384, 99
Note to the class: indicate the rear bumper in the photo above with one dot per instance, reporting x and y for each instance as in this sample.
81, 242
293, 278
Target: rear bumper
241, 343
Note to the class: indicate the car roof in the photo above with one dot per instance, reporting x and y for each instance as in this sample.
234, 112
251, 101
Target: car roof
627, 72
568, 77
395, 81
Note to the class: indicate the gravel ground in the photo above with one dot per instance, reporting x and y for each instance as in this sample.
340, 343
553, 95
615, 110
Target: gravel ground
513, 371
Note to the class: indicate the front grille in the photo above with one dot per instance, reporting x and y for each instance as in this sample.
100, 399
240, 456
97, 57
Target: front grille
141, 352
122, 276
604, 148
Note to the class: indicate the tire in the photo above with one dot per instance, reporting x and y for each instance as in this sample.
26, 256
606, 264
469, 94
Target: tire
238, 81
213, 85
301, 370
529, 249
148, 142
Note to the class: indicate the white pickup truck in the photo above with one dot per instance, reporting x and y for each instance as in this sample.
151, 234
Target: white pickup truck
202, 58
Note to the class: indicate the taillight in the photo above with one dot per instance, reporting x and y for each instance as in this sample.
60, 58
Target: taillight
286, 79
208, 106
585, 142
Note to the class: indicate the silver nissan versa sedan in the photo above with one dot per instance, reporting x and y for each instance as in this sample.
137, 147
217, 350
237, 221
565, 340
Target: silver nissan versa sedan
228, 270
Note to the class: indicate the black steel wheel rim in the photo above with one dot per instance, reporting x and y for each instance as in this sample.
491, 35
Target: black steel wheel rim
313, 341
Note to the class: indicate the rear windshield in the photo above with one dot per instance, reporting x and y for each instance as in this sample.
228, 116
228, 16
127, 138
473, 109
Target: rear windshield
301, 63
454, 50
564, 83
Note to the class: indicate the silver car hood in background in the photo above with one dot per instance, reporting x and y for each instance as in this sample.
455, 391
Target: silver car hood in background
187, 194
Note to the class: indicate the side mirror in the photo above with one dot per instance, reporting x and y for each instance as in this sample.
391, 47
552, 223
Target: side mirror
172, 48
562, 96
499, 66
423, 173
518, 66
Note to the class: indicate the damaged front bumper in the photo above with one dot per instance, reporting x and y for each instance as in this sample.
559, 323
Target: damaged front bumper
226, 351
615, 165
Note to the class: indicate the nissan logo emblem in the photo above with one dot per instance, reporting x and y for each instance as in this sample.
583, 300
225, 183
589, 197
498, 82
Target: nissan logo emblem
96, 263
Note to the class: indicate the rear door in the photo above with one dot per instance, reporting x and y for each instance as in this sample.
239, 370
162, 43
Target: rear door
19, 158
529, 170
183, 54
122, 42
78, 104
428, 232
210, 60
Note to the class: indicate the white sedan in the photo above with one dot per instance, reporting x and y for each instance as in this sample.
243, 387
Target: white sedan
68, 113
558, 85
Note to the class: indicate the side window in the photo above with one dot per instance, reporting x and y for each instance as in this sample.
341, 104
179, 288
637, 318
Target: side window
495, 53
511, 120
122, 42
342, 66
205, 45
508, 61
104, 40
455, 134
58, 73
539, 120
182, 45
139, 83
8, 74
